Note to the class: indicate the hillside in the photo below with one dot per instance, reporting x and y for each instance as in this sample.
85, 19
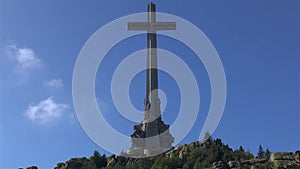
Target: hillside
212, 154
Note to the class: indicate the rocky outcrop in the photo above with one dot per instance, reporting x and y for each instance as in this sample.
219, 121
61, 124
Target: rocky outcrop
74, 163
232, 164
282, 156
297, 156
278, 160
32, 167
220, 165
255, 161
111, 160
185, 149
60, 166
285, 160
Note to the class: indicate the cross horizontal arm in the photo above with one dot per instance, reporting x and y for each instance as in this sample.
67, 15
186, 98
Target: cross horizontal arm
164, 26
151, 26
138, 25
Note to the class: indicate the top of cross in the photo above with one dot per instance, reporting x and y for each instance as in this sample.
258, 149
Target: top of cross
151, 26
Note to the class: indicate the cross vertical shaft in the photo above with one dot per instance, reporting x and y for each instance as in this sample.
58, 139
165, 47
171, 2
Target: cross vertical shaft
152, 74
151, 26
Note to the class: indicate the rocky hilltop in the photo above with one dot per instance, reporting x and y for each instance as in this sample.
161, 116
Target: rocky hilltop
212, 154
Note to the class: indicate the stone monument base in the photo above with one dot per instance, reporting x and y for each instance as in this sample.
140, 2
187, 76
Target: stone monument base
149, 139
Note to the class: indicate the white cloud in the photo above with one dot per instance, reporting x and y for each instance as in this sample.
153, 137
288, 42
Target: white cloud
25, 58
55, 83
46, 111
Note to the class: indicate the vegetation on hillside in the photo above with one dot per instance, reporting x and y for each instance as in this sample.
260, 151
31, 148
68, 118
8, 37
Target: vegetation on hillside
212, 154
197, 155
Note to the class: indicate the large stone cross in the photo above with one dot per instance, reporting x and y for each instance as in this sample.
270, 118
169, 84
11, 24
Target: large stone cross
152, 136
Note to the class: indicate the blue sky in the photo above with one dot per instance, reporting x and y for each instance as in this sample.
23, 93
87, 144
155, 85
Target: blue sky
257, 41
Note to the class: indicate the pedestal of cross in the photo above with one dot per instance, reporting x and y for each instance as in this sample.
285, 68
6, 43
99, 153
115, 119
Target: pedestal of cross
152, 127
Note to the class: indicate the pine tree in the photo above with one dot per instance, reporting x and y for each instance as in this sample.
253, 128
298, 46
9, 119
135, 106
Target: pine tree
261, 152
241, 149
97, 160
268, 153
207, 137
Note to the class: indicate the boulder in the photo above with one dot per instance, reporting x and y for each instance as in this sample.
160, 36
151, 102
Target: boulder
254, 161
183, 152
297, 156
60, 166
282, 156
284, 160
220, 165
111, 160
76, 163
232, 164
32, 167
